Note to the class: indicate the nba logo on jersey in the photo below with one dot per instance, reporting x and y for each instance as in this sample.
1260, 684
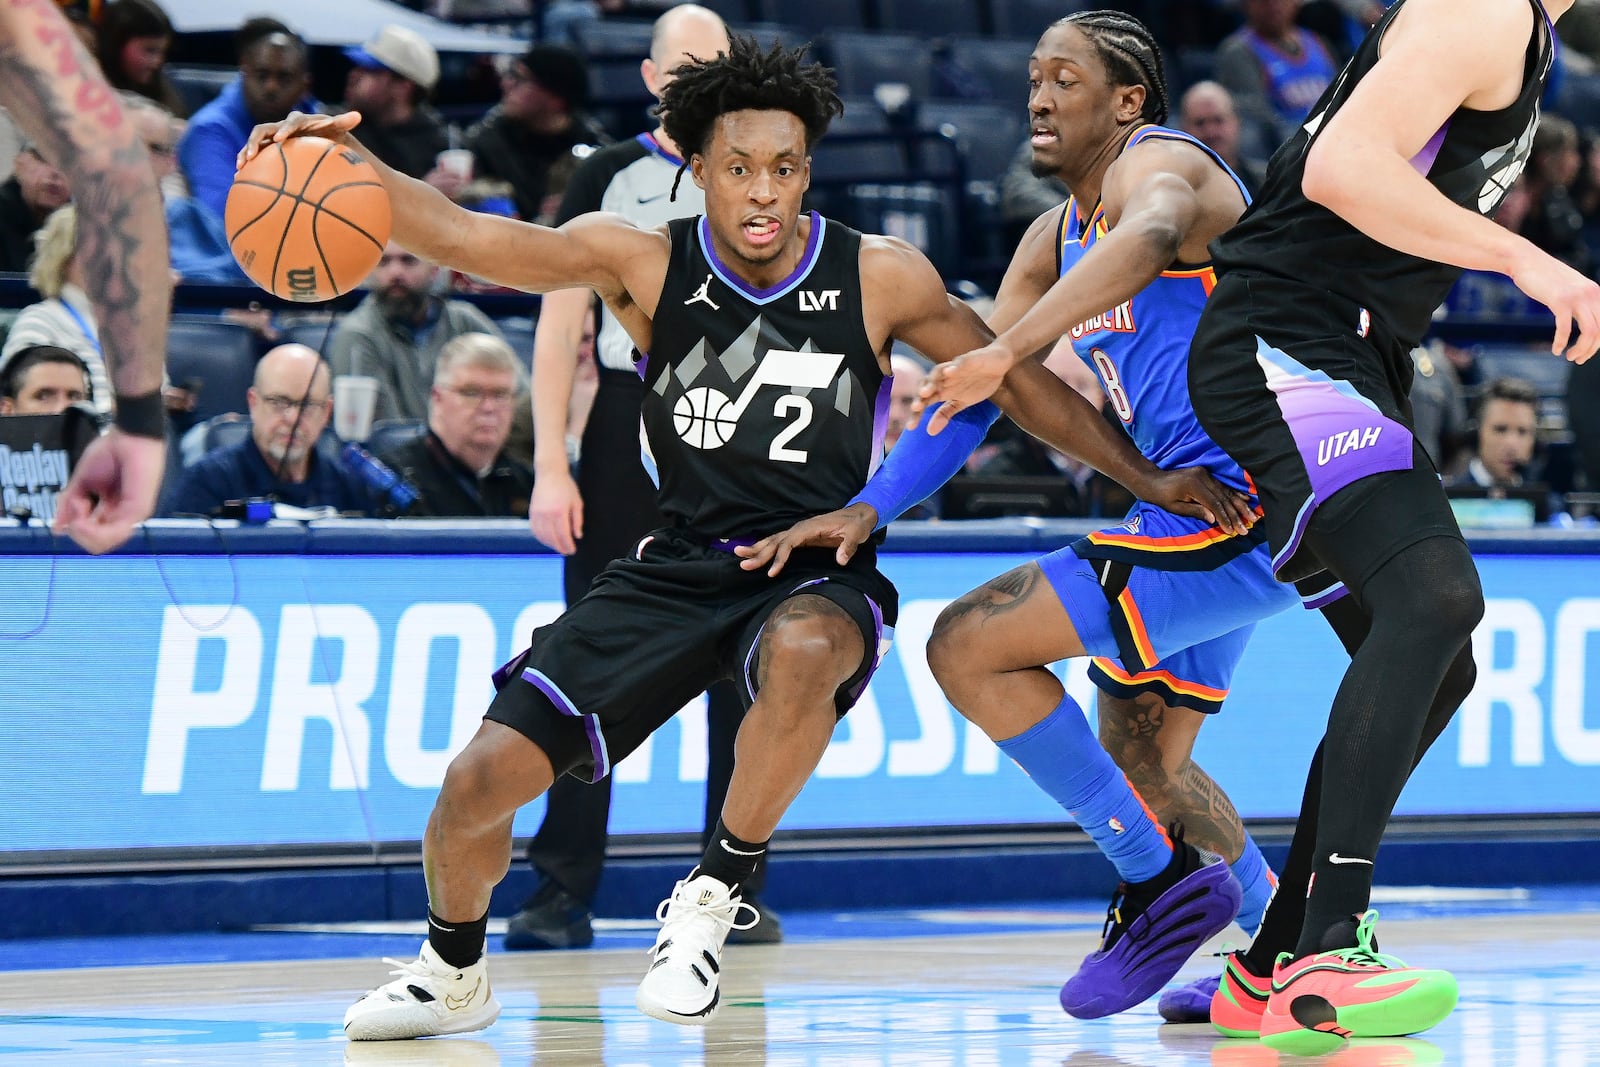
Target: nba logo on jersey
1364, 323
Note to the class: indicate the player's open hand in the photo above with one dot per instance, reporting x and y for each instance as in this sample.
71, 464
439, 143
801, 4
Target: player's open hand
112, 489
1194, 492
961, 383
556, 513
845, 529
298, 124
1572, 297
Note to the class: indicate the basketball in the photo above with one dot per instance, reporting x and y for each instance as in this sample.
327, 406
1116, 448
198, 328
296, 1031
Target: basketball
307, 219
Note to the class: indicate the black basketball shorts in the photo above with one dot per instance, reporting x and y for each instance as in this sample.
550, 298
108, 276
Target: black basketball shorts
1309, 395
656, 629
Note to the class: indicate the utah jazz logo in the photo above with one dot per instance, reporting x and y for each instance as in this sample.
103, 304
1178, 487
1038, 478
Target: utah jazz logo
303, 283
705, 418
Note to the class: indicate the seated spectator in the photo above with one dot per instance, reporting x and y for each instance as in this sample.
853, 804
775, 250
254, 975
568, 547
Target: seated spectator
1025, 194
273, 80
1206, 112
290, 404
1275, 69
1508, 431
132, 40
397, 331
909, 373
393, 74
43, 380
460, 466
1438, 408
64, 318
532, 131
197, 239
1552, 220
34, 190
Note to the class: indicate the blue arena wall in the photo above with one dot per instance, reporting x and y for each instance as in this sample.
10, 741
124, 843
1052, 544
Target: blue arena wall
215, 693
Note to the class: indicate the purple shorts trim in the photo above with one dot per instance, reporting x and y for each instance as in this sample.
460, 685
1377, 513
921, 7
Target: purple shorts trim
591, 724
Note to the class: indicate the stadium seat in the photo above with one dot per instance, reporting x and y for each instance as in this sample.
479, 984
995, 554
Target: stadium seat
216, 432
614, 38
1029, 18
986, 133
198, 85
930, 18
861, 115
989, 69
312, 334
863, 61
814, 16
1532, 363
390, 433
519, 335
216, 356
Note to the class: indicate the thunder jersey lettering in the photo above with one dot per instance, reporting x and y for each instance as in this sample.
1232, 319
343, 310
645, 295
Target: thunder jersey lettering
1473, 159
762, 406
1140, 351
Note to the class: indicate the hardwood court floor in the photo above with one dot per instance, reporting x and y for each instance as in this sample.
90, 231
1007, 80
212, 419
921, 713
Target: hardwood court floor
1529, 974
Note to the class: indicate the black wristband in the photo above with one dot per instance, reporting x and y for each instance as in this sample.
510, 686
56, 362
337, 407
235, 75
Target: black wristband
142, 416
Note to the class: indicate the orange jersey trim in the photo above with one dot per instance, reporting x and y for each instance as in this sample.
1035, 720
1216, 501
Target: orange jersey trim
1136, 627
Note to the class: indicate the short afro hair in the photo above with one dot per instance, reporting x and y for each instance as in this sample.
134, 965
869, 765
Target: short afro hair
747, 79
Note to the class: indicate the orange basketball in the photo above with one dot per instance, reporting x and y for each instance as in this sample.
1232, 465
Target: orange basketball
307, 219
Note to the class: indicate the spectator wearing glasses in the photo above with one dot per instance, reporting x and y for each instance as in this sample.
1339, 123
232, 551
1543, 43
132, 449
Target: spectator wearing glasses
397, 332
34, 190
290, 405
460, 466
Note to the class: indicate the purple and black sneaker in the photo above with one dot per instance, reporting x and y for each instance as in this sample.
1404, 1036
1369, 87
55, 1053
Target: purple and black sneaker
1152, 928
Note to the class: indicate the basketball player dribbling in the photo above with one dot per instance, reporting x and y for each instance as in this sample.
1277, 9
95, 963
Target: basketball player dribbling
55, 91
766, 336
1300, 370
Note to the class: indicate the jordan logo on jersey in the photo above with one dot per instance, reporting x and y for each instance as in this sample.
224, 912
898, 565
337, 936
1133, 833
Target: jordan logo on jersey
1118, 320
700, 296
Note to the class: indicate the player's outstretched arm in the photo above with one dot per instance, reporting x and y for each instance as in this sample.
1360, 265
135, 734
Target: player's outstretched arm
1440, 55
56, 92
941, 327
602, 252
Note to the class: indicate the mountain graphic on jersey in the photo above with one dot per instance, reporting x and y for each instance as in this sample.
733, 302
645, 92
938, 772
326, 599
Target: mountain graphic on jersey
711, 391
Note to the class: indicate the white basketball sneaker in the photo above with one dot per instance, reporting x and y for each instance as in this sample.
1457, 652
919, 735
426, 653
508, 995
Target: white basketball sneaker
428, 998
681, 985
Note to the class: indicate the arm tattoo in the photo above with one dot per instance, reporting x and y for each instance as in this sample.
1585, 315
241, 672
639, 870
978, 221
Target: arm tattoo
62, 102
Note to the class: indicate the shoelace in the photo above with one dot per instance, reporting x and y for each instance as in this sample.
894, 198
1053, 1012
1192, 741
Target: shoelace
414, 967
1366, 954
689, 910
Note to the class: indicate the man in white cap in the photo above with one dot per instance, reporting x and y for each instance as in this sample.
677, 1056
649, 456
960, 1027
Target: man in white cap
393, 74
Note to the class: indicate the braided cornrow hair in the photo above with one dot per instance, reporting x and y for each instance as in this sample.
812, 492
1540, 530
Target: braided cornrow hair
746, 78
1131, 56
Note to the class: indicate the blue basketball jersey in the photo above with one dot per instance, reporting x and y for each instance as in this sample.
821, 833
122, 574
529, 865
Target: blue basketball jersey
1140, 350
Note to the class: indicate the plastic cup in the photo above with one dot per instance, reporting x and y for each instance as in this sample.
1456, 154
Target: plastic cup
355, 398
457, 161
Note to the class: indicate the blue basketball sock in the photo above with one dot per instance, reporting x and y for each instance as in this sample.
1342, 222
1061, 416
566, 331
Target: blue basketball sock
1257, 881
1064, 758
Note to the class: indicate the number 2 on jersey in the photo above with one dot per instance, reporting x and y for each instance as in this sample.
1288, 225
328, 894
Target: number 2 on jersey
780, 451
1114, 390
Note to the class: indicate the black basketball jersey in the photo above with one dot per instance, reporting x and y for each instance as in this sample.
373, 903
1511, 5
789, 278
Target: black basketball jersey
762, 406
1473, 160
